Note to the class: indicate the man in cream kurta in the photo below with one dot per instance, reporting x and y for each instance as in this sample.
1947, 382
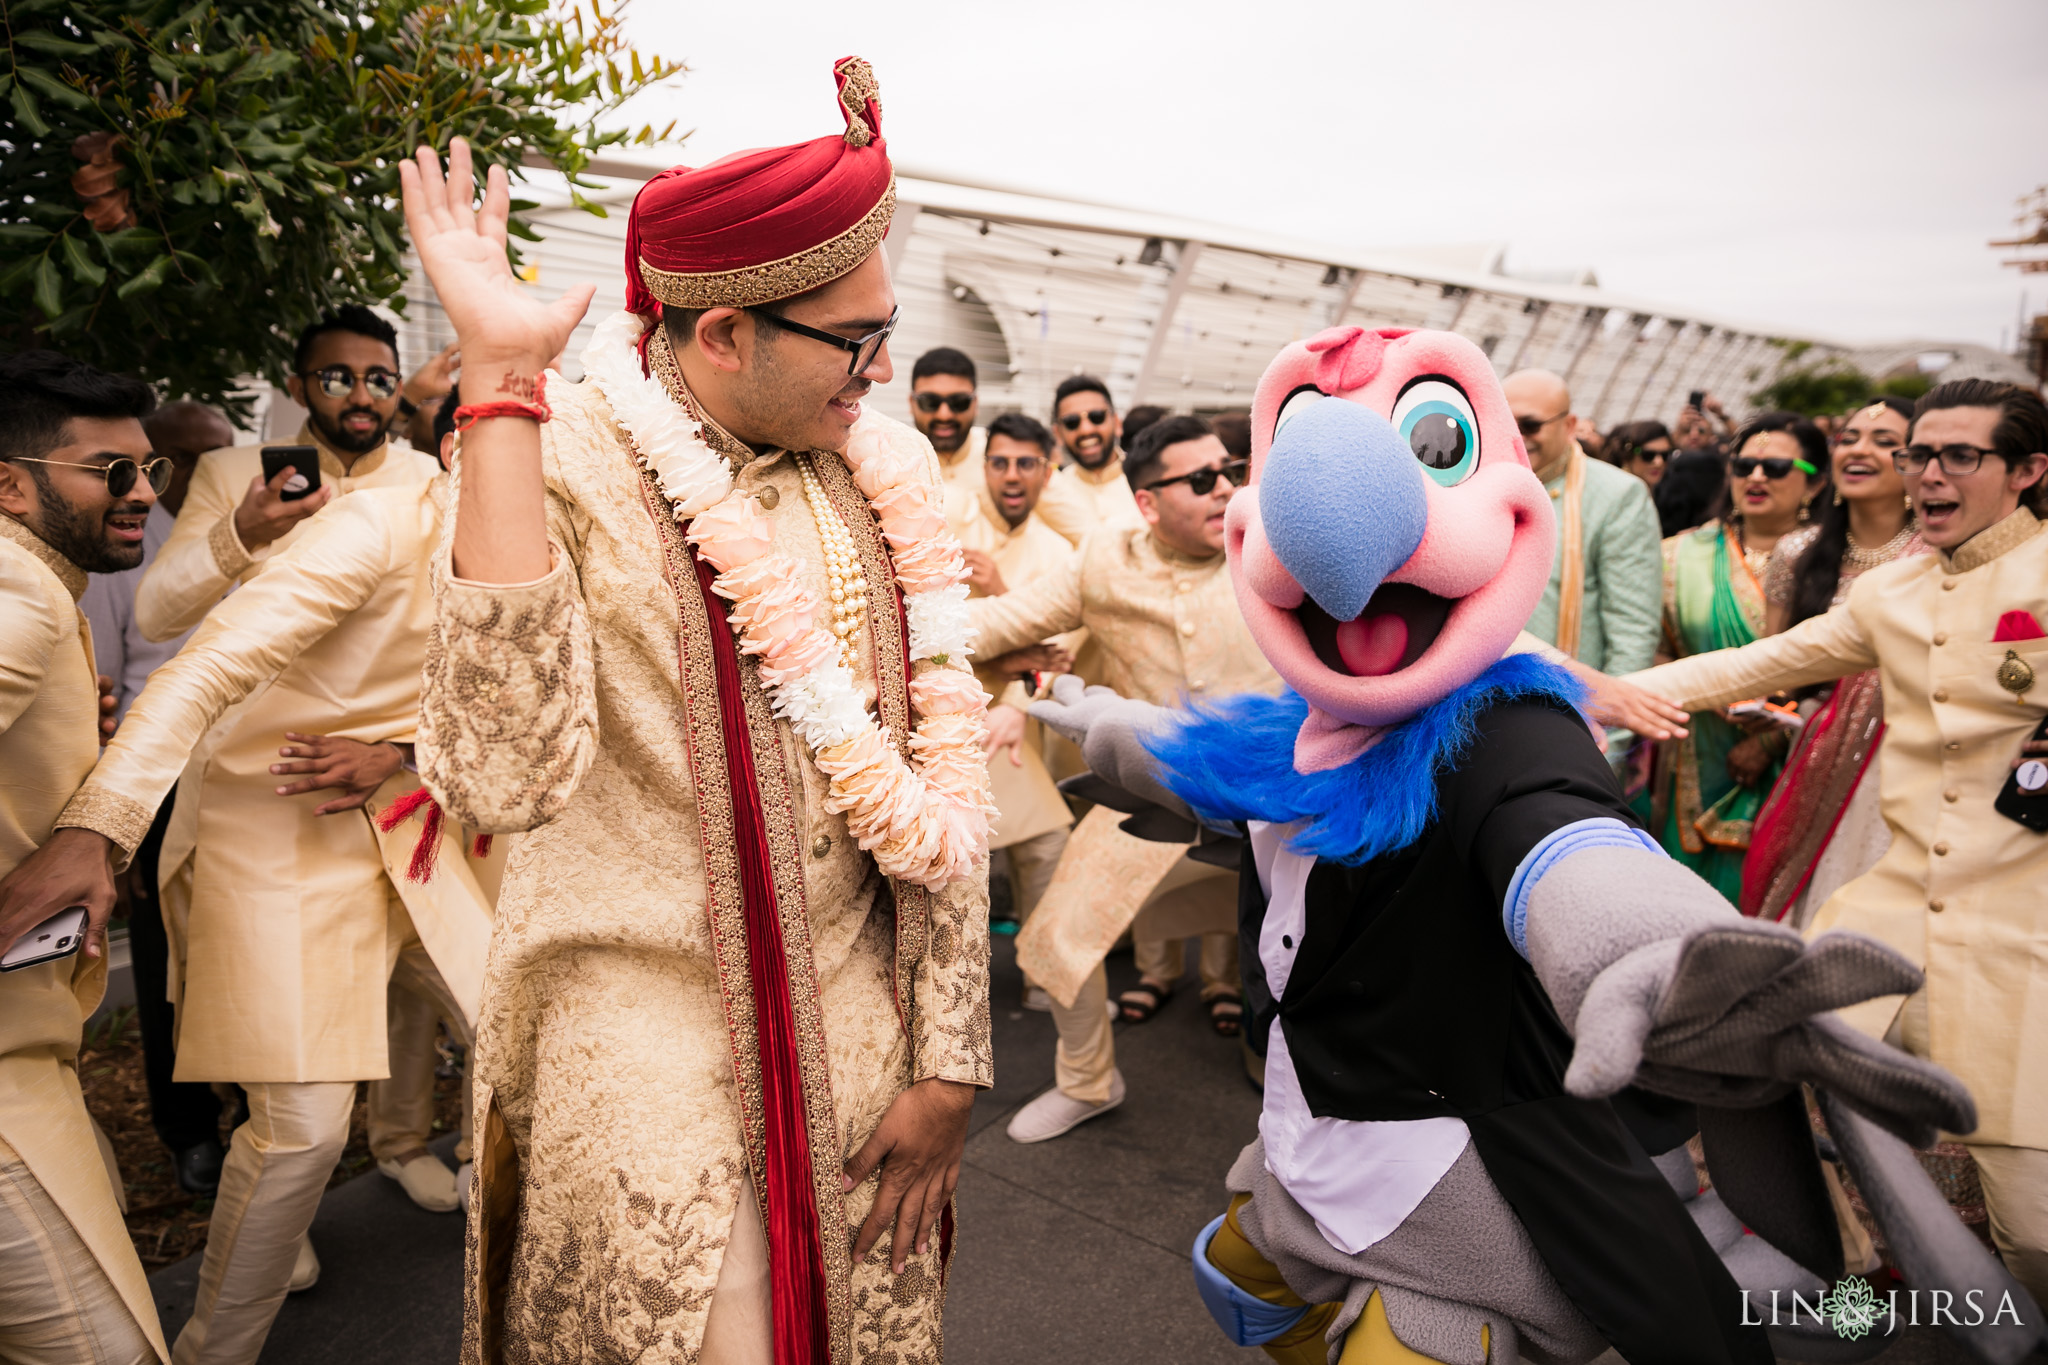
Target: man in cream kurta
1034, 817
1166, 622
1962, 891
71, 1288
297, 919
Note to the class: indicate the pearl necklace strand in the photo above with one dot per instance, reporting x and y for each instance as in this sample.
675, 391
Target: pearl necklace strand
843, 573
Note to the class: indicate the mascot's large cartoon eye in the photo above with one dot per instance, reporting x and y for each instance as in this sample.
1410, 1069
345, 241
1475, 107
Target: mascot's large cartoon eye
1436, 420
1295, 404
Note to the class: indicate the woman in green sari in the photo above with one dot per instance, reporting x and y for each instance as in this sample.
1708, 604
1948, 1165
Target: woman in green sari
1709, 786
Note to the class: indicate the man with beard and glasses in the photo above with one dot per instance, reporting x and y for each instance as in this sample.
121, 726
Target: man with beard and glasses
1085, 421
186, 1115
944, 402
77, 482
311, 888
345, 373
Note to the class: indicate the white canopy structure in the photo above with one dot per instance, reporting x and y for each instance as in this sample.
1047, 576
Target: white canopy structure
1186, 314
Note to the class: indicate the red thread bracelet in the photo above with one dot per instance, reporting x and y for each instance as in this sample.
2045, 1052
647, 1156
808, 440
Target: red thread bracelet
469, 414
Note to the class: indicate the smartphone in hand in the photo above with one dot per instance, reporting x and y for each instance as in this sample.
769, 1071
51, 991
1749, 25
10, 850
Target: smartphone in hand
303, 460
61, 935
2024, 797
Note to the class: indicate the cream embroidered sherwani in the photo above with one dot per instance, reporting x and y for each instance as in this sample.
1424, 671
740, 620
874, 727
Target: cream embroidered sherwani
1064, 507
1962, 891
204, 557
49, 712
618, 1066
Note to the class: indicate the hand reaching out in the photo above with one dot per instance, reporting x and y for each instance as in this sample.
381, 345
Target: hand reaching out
1005, 731
983, 575
499, 326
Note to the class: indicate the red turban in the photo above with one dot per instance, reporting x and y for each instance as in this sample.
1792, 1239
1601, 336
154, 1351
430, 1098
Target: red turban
764, 225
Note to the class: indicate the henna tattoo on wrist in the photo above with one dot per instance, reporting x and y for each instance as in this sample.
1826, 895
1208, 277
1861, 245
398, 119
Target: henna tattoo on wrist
519, 385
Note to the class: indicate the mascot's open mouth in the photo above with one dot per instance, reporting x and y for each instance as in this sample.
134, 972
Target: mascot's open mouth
1398, 624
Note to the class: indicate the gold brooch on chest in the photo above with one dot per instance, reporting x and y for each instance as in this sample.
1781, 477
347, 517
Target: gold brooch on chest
2015, 675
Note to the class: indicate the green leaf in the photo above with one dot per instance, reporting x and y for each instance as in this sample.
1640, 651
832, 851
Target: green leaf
25, 109
49, 288
42, 40
23, 234
83, 268
151, 277
587, 205
51, 87
12, 276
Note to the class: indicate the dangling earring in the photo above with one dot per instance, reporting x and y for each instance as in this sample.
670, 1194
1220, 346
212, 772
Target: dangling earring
1838, 497
1805, 512
1909, 505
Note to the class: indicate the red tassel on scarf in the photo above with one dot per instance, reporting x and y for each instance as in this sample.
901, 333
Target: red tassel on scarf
423, 852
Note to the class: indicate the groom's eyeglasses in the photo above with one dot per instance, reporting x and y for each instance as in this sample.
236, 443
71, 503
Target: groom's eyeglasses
864, 349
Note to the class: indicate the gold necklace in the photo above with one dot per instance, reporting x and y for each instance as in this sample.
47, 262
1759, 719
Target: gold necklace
844, 576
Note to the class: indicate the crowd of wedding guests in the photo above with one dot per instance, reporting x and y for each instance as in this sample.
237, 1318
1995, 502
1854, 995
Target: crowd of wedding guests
1094, 538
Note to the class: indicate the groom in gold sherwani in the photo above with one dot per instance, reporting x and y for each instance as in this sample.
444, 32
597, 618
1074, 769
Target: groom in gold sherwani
736, 1009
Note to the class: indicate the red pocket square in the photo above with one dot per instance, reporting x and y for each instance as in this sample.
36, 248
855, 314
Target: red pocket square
2017, 625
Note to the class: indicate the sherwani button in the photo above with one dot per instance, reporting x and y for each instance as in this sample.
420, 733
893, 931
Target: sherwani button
1936, 906
1187, 627
1952, 746
1941, 694
1941, 849
1948, 585
769, 497
1941, 637
1951, 795
821, 845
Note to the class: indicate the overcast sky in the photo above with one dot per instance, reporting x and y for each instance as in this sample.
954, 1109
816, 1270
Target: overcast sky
1831, 167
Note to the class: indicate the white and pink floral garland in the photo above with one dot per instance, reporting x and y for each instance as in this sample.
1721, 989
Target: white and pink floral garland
926, 821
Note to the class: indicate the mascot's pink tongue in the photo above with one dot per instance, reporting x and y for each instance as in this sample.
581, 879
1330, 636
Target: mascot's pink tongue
1371, 646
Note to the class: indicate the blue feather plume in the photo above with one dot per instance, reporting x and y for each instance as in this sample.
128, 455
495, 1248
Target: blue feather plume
1234, 760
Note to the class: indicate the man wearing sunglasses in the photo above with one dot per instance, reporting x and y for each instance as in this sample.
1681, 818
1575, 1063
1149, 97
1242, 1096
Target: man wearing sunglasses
1158, 601
1961, 639
71, 501
1605, 598
305, 935
346, 375
1084, 419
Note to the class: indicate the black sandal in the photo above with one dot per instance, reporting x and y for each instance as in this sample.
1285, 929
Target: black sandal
1226, 1014
1142, 1001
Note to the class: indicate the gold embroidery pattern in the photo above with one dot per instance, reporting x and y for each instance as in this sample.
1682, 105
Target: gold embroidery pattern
892, 704
124, 820
228, 555
508, 707
587, 1301
792, 275
899, 1319
70, 575
723, 901
786, 859
858, 87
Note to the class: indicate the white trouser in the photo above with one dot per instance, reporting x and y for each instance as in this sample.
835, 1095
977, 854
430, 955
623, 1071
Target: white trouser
57, 1306
270, 1186
401, 1109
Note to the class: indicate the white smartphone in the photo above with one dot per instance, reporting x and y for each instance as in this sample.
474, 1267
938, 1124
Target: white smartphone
58, 936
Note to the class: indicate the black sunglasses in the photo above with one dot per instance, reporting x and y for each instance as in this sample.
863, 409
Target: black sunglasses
864, 349
1775, 467
1529, 426
956, 402
1096, 417
1956, 460
1648, 456
339, 381
120, 474
1202, 482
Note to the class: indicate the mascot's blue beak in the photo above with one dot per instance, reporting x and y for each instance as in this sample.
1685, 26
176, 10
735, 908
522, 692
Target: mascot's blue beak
1342, 501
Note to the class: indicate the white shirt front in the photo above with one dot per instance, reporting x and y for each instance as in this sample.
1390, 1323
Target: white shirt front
1358, 1179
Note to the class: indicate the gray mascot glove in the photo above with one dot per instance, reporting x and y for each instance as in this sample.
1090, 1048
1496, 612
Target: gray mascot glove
1110, 730
1664, 985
